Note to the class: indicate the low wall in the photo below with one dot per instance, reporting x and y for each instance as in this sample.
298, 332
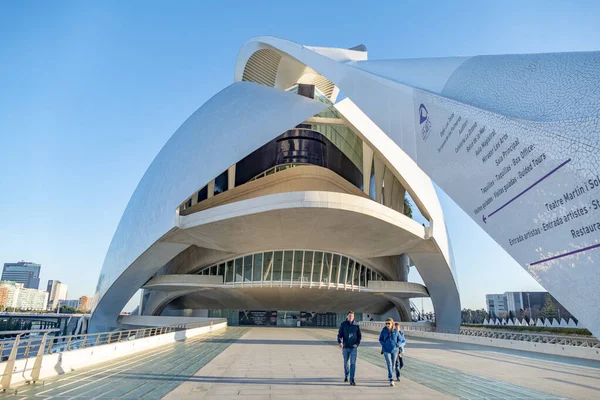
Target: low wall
61, 363
587, 353
136, 321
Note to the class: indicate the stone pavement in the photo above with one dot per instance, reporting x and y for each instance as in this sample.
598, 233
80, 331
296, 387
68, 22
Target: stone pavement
284, 363
294, 363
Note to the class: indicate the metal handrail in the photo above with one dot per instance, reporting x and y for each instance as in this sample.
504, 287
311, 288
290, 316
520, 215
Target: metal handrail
537, 337
43, 344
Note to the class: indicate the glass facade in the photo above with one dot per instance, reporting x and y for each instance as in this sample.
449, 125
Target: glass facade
306, 268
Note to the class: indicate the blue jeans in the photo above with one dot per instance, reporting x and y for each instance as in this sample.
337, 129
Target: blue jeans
390, 360
350, 355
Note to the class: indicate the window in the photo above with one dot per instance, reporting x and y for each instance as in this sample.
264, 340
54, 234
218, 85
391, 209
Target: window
278, 266
248, 269
326, 268
308, 259
298, 259
268, 269
222, 183
287, 266
343, 271
203, 194
335, 268
229, 271
257, 274
316, 272
213, 270
238, 270
188, 203
356, 277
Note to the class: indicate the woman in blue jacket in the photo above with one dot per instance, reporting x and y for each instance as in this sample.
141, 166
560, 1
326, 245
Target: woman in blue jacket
390, 341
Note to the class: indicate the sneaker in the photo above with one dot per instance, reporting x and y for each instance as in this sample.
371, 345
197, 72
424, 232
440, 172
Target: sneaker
346, 379
352, 383
398, 378
392, 383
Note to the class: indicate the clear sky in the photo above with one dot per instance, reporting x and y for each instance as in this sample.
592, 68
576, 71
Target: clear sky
90, 92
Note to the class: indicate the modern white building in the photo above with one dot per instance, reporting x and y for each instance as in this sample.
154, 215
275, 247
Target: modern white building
57, 291
279, 194
496, 304
20, 298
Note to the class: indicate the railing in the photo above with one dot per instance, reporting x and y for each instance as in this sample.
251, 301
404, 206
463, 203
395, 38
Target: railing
537, 337
38, 343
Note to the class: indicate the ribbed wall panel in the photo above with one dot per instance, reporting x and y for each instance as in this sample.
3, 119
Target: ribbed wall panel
262, 67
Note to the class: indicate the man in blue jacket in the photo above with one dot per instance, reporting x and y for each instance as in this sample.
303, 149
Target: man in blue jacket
349, 339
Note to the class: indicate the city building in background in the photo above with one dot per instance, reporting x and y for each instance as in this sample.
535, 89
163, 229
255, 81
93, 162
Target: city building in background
496, 304
70, 303
15, 296
526, 304
84, 303
27, 273
56, 291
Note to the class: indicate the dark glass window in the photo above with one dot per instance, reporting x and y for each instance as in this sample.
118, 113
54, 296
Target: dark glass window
343, 271
335, 268
229, 271
317, 267
277, 266
257, 274
203, 194
221, 183
188, 203
248, 269
238, 270
268, 268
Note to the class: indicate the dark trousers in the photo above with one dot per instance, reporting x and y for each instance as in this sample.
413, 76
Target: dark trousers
399, 365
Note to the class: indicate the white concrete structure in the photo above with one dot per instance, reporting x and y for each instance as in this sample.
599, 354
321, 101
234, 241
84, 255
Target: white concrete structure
56, 291
402, 121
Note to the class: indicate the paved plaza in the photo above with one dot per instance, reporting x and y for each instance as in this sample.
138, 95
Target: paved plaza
295, 363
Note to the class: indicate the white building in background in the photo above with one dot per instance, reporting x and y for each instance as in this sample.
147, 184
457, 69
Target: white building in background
21, 298
514, 301
56, 291
496, 304
32, 299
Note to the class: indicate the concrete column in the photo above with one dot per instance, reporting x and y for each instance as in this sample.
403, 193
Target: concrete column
211, 189
231, 177
379, 171
367, 164
402, 265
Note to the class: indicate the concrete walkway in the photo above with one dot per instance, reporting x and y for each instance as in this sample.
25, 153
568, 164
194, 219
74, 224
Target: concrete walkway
282, 363
291, 363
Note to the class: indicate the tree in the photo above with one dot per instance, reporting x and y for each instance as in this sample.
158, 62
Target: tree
548, 311
407, 208
67, 310
511, 315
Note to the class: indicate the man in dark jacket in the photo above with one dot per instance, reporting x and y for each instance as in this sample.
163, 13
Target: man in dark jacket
349, 339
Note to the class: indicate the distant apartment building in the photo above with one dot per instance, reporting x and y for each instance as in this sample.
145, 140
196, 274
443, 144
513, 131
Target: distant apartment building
496, 304
56, 291
27, 273
531, 303
15, 296
84, 303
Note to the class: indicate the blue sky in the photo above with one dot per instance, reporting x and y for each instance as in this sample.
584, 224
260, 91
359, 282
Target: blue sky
90, 92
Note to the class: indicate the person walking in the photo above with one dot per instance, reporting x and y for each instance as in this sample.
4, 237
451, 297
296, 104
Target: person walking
348, 338
389, 338
399, 361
